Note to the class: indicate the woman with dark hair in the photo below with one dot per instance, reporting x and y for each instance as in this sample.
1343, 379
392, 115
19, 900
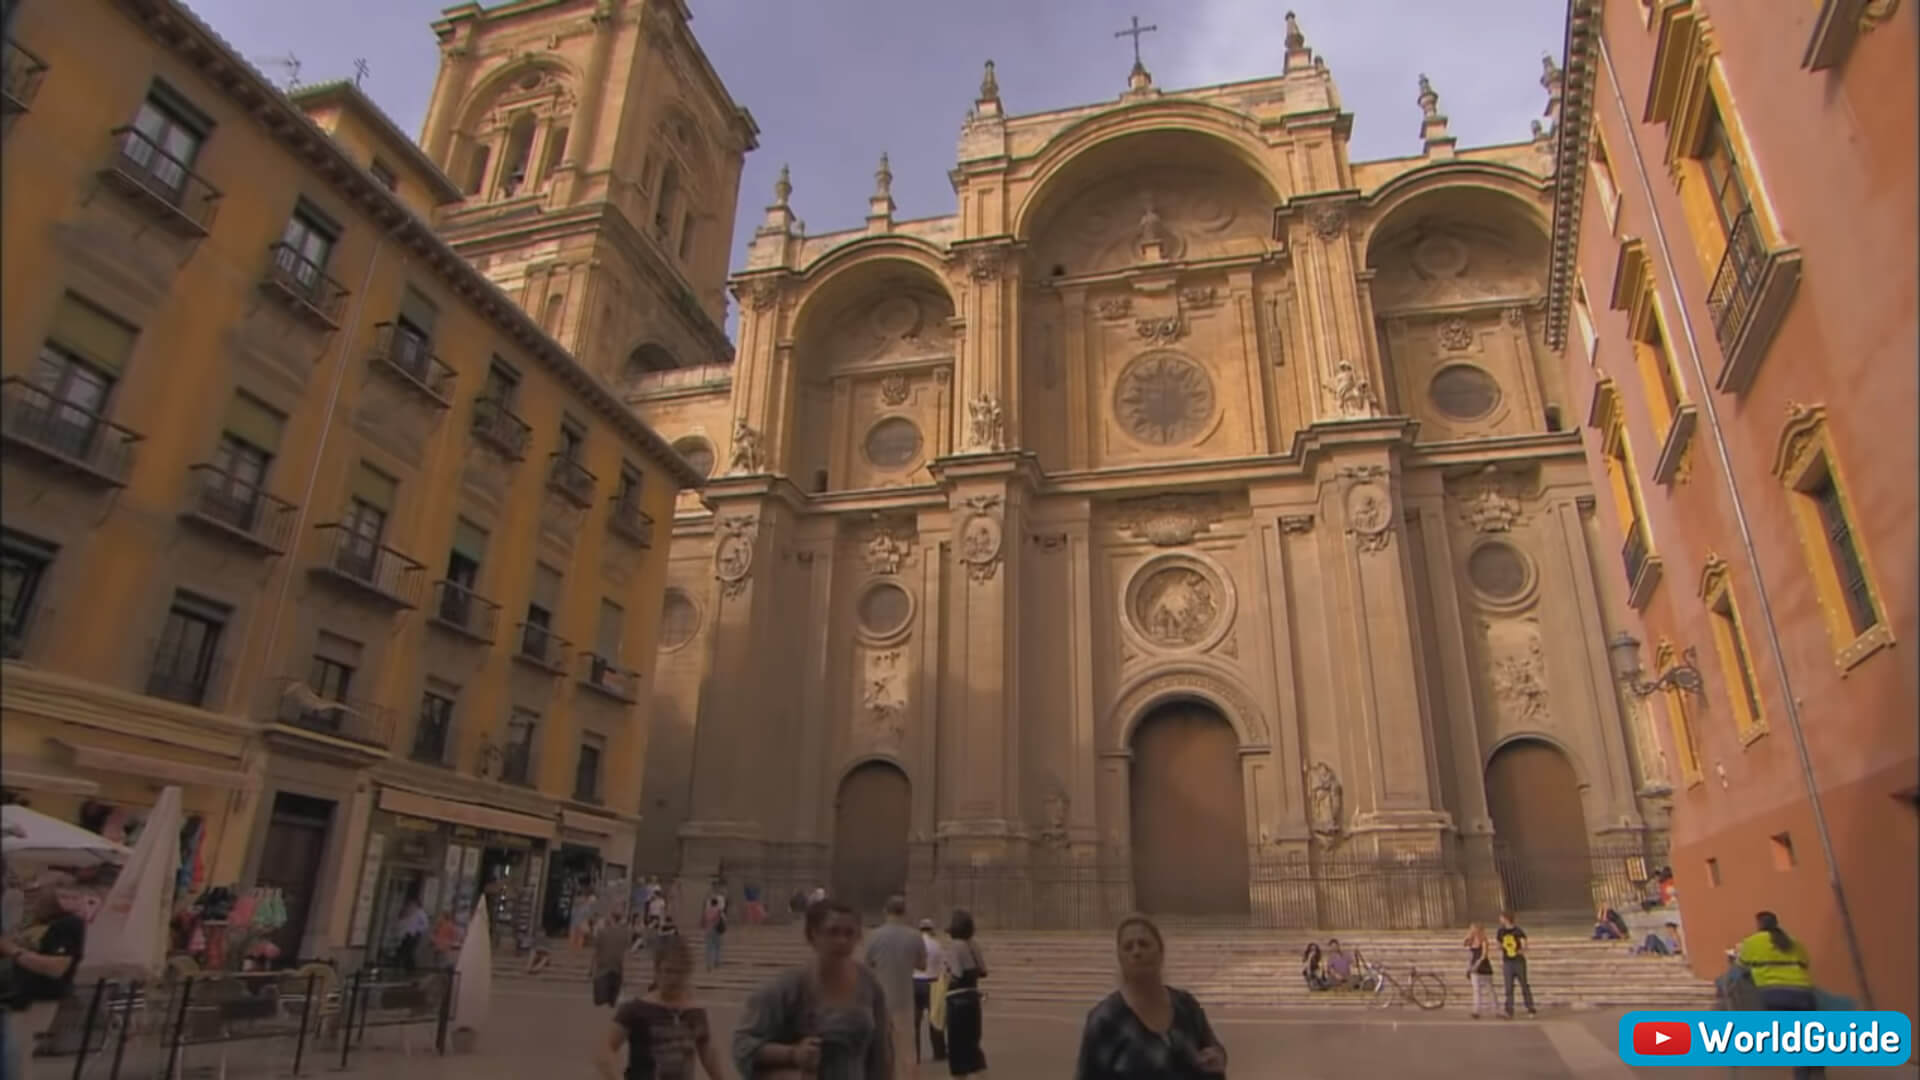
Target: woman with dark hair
665, 1034
826, 1020
965, 968
1313, 967
1782, 972
1147, 1029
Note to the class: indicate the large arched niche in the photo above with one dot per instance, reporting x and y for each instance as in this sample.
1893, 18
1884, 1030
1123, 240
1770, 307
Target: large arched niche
867, 394
1459, 269
501, 124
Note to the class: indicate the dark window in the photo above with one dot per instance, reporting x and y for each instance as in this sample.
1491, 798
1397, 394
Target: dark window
384, 174
183, 664
686, 236
167, 142
477, 169
1722, 168
586, 774
330, 678
309, 243
501, 386
663, 208
628, 492
24, 563
1846, 556
365, 524
430, 737
79, 393
235, 493
571, 441
516, 765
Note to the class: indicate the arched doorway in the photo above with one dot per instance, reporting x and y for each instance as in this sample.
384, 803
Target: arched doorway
1189, 816
1539, 828
870, 835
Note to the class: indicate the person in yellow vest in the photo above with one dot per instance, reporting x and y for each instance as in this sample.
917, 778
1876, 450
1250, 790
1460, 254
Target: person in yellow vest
1782, 972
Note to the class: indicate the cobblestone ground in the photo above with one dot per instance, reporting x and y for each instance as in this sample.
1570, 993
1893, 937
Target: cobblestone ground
548, 1035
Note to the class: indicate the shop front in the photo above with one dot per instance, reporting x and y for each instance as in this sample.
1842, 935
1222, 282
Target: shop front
590, 858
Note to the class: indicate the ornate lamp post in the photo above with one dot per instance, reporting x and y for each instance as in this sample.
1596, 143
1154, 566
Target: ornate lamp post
1624, 650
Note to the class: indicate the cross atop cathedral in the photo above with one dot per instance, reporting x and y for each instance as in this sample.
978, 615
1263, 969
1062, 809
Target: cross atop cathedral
1134, 32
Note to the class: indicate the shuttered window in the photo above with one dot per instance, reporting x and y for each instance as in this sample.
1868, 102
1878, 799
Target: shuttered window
375, 488
546, 588
254, 423
469, 540
91, 334
613, 620
419, 311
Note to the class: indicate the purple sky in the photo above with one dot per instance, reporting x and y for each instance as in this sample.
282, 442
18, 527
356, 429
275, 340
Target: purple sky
834, 82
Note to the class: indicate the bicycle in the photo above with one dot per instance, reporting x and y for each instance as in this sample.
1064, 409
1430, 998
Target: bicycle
1422, 989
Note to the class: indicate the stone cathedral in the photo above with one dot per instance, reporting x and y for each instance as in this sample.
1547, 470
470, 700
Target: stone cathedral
1192, 520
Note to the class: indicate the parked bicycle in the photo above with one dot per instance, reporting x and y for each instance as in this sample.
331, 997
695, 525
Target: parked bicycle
1422, 989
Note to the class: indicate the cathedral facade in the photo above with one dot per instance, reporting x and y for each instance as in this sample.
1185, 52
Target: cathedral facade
1192, 520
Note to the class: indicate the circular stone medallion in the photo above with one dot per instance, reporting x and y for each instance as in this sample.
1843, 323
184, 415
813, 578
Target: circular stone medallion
697, 452
679, 620
1163, 399
1498, 571
884, 610
893, 443
1463, 392
1176, 606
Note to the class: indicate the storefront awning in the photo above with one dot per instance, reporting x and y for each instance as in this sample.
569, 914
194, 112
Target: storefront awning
158, 768
415, 804
28, 775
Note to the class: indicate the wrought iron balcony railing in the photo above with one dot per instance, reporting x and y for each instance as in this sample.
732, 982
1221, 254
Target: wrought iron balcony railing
459, 608
65, 434
1634, 552
571, 479
372, 567
411, 361
19, 80
183, 675
175, 196
626, 518
497, 425
356, 720
539, 645
239, 508
602, 674
1737, 282
304, 287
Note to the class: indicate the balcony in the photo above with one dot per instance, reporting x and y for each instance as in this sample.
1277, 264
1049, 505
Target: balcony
183, 678
497, 426
541, 647
233, 508
1643, 567
1748, 300
21, 83
628, 521
366, 724
65, 435
464, 612
571, 479
411, 362
304, 288
603, 675
369, 568
161, 185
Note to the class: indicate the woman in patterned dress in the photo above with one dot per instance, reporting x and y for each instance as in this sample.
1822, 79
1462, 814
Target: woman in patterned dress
664, 1032
1147, 1030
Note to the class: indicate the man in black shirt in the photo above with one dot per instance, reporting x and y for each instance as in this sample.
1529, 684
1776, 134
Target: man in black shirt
1513, 961
44, 957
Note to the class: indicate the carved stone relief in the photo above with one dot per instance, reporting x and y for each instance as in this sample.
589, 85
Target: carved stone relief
747, 458
1488, 506
1170, 520
981, 537
1161, 331
986, 425
733, 552
1185, 212
1175, 607
895, 388
1326, 801
886, 551
1451, 261
1164, 399
1519, 673
1327, 220
1114, 307
1352, 394
883, 699
899, 325
1455, 334
1369, 507
1207, 687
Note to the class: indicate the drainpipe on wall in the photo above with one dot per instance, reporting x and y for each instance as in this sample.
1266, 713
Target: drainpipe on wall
1732, 482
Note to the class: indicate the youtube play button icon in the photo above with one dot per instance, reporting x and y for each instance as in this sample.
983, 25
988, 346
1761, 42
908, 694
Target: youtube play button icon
1662, 1037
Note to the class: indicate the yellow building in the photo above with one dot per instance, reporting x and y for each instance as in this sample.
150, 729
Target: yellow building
301, 512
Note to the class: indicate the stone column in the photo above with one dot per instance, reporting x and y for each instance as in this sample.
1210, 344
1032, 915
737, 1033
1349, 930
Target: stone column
449, 95
983, 354
1337, 328
1602, 692
1276, 526
586, 126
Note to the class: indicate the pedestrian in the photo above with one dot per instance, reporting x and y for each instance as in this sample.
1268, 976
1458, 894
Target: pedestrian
609, 964
826, 1020
756, 907
925, 978
410, 927
1147, 1030
663, 1031
966, 966
896, 954
1479, 965
580, 917
1782, 972
1513, 962
44, 956
656, 907
715, 922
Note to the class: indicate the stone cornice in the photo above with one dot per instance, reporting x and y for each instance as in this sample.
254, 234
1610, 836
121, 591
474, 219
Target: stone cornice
1573, 135
37, 692
195, 43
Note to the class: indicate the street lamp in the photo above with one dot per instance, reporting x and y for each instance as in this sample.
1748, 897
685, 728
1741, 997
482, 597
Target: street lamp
1625, 651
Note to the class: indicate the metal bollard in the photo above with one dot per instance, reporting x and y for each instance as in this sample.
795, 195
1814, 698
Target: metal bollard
346, 1028
446, 1011
86, 1029
306, 1012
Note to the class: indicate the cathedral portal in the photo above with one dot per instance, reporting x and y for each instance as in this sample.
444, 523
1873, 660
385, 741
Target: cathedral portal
870, 835
1534, 798
1189, 814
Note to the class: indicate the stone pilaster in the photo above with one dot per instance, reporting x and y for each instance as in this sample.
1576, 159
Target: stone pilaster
1596, 675
1277, 526
586, 129
1337, 330
449, 94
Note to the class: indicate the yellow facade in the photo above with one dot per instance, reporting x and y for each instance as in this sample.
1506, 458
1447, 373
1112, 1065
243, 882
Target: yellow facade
255, 431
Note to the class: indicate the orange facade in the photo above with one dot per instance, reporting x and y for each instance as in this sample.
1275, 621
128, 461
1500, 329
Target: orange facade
1737, 289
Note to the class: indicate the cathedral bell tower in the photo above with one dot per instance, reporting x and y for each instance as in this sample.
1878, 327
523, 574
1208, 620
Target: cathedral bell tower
600, 155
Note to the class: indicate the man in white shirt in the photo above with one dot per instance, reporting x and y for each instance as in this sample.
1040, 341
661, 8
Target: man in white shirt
923, 981
896, 955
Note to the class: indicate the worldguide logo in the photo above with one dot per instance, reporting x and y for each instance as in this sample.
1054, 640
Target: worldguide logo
1710, 1038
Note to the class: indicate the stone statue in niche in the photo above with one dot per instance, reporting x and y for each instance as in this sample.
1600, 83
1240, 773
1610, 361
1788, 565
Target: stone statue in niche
1325, 800
747, 458
885, 552
986, 425
1054, 832
1153, 232
1353, 396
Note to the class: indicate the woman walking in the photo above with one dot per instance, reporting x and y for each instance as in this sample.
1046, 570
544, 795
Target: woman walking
966, 966
664, 1032
1782, 972
826, 1020
1479, 965
1147, 1029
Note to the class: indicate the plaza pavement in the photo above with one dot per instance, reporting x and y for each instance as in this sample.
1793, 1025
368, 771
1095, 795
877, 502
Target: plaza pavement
550, 1035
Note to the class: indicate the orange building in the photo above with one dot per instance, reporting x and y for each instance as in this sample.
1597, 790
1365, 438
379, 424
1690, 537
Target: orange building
1733, 270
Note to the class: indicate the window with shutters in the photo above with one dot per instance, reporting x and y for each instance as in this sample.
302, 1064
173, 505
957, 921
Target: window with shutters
1736, 658
365, 524
185, 657
25, 563
433, 730
72, 379
538, 641
1837, 558
231, 490
164, 141
516, 758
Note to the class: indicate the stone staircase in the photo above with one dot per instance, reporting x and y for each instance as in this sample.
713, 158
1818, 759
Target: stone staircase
1225, 968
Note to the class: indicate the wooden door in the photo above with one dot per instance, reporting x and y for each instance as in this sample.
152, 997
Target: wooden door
296, 844
1189, 814
1539, 829
870, 836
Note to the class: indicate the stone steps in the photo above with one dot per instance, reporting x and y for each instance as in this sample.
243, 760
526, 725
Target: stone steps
1225, 968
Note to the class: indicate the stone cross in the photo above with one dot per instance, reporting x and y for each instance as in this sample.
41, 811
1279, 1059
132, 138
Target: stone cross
1135, 33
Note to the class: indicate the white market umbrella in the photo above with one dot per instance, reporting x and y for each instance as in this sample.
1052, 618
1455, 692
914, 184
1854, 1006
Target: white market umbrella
130, 935
33, 841
473, 983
